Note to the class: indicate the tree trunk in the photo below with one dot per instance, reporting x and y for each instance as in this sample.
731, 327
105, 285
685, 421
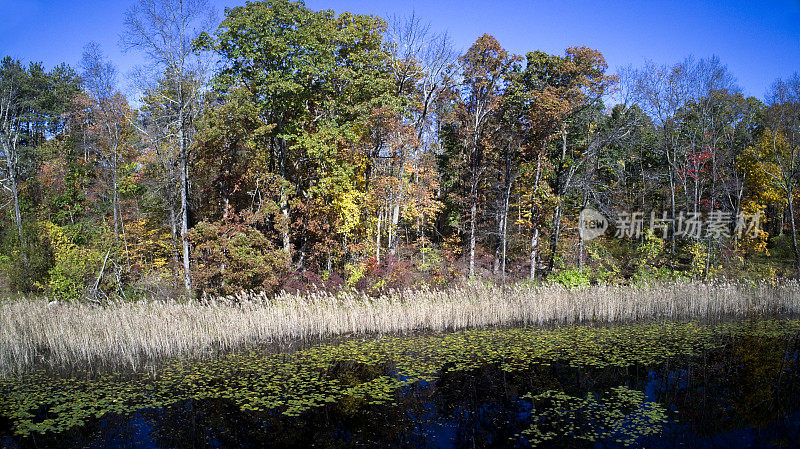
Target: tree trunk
378, 236
393, 226
534, 252
301, 259
286, 241
502, 234
534, 218
115, 199
505, 231
184, 167
396, 199
556, 234
17, 213
473, 212
789, 195
173, 222
421, 226
672, 200
287, 244
713, 204
560, 191
498, 247
580, 234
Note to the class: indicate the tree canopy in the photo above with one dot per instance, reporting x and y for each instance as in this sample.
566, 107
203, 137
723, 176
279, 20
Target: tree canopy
288, 148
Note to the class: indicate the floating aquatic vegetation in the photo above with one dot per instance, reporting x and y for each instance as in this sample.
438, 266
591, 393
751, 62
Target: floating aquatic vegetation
620, 414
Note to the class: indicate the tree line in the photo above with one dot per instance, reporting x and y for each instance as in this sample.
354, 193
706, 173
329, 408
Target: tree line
286, 148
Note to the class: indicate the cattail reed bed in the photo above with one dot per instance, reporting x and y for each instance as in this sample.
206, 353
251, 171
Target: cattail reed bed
61, 334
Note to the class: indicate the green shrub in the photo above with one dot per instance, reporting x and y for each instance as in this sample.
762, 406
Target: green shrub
781, 247
645, 275
73, 266
230, 256
605, 268
22, 276
571, 278
355, 272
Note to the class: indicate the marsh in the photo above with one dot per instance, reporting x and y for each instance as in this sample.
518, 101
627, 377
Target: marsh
658, 384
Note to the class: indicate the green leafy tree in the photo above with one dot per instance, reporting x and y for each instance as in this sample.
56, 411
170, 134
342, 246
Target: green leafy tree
313, 80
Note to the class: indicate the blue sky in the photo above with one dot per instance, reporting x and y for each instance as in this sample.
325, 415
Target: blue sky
758, 41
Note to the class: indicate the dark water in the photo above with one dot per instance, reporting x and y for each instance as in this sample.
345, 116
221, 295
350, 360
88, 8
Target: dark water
738, 387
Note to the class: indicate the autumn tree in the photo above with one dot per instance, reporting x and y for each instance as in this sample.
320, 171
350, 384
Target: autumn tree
311, 82
13, 80
32, 103
562, 89
484, 68
165, 32
111, 119
783, 123
423, 66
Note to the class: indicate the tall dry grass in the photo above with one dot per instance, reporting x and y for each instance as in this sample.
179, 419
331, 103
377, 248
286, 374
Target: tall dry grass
67, 334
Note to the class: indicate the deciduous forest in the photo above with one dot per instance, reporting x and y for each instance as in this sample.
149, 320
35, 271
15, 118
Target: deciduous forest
286, 149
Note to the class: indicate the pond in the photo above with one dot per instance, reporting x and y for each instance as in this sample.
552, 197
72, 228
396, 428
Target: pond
733, 384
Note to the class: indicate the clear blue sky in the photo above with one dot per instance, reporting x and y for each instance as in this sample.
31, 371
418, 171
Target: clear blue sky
759, 41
